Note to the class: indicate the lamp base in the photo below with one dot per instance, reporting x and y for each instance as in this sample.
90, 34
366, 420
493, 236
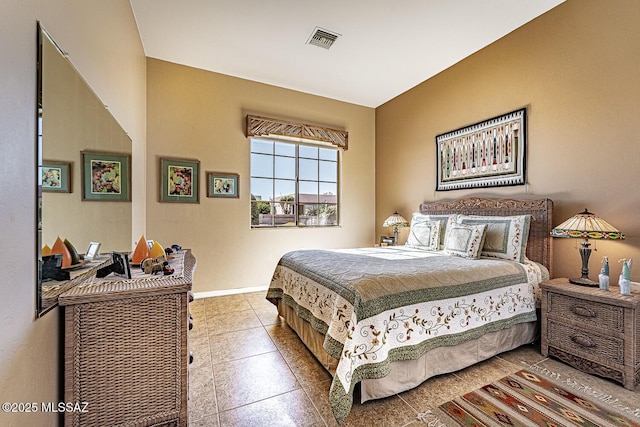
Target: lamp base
583, 282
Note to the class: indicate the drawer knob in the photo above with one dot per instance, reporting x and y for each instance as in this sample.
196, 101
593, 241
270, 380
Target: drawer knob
583, 340
583, 311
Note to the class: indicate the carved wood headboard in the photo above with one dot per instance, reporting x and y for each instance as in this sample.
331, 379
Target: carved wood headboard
539, 245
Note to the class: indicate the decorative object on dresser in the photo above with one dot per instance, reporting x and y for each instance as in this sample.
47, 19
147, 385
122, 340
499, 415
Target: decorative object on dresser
603, 277
586, 225
625, 277
126, 348
93, 251
395, 220
592, 330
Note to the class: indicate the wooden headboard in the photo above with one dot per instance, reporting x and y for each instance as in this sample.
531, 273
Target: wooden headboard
539, 245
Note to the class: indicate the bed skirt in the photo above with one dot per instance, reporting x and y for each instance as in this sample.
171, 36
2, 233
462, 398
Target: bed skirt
407, 374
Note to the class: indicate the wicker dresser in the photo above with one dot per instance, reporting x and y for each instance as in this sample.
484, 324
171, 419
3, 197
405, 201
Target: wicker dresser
126, 349
592, 330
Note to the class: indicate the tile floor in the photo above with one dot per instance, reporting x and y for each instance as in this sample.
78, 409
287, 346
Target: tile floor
271, 379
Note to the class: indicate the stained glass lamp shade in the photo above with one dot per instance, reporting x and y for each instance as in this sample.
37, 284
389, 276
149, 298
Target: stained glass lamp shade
395, 220
586, 225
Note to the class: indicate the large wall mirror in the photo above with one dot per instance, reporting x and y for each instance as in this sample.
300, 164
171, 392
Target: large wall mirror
72, 120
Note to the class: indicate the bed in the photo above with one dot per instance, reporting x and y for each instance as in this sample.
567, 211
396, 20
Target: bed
389, 318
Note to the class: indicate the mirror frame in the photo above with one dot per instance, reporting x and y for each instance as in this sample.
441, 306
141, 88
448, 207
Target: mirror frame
41, 33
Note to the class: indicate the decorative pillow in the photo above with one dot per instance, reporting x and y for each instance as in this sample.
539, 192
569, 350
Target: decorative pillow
424, 235
464, 240
443, 219
506, 235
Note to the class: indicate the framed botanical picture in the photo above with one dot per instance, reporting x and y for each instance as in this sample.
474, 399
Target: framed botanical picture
179, 180
106, 176
56, 176
221, 184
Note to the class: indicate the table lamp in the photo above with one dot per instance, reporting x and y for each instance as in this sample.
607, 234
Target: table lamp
395, 220
586, 225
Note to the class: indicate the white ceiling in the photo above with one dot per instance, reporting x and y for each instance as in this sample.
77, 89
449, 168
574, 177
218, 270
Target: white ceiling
386, 47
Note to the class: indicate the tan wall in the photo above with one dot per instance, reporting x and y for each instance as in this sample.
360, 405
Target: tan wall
576, 69
196, 114
102, 41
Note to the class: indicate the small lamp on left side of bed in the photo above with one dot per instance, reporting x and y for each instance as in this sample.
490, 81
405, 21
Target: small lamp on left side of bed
395, 220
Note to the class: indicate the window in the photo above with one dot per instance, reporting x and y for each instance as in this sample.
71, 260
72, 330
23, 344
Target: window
292, 184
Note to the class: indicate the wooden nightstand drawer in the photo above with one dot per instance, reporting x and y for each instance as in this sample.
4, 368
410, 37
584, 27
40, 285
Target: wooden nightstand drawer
585, 343
605, 316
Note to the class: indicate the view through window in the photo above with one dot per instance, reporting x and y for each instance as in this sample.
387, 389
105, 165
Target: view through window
293, 184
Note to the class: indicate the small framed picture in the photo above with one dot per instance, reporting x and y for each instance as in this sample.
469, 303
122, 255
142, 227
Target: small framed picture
56, 176
106, 176
179, 181
93, 251
221, 184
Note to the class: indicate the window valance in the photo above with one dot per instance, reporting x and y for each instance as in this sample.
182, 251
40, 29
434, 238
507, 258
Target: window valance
262, 126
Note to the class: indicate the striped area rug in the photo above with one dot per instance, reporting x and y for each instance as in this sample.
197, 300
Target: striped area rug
526, 399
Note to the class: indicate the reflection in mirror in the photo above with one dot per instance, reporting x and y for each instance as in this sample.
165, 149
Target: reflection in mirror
72, 120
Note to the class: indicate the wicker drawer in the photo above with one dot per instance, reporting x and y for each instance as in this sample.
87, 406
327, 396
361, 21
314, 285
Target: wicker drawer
593, 330
605, 316
586, 343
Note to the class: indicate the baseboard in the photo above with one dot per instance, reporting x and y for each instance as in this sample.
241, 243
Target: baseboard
209, 294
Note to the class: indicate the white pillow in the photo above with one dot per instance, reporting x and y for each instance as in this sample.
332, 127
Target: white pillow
424, 235
506, 236
464, 240
443, 219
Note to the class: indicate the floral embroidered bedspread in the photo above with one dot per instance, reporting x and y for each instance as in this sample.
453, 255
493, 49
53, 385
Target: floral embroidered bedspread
379, 305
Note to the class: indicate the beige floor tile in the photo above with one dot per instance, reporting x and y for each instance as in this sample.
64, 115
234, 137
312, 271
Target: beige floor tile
303, 364
227, 304
240, 344
222, 323
484, 373
289, 409
434, 392
391, 411
268, 316
197, 305
281, 334
244, 381
202, 394
258, 300
206, 421
523, 356
199, 347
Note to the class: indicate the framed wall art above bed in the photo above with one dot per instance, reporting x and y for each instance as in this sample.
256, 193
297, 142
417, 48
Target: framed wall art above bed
491, 153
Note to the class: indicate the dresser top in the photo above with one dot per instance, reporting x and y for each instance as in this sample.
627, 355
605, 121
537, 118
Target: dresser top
93, 289
612, 296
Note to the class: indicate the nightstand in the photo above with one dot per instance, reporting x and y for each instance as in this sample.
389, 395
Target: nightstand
592, 330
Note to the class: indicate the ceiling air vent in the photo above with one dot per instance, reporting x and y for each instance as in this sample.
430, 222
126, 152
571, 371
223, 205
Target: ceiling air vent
322, 38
